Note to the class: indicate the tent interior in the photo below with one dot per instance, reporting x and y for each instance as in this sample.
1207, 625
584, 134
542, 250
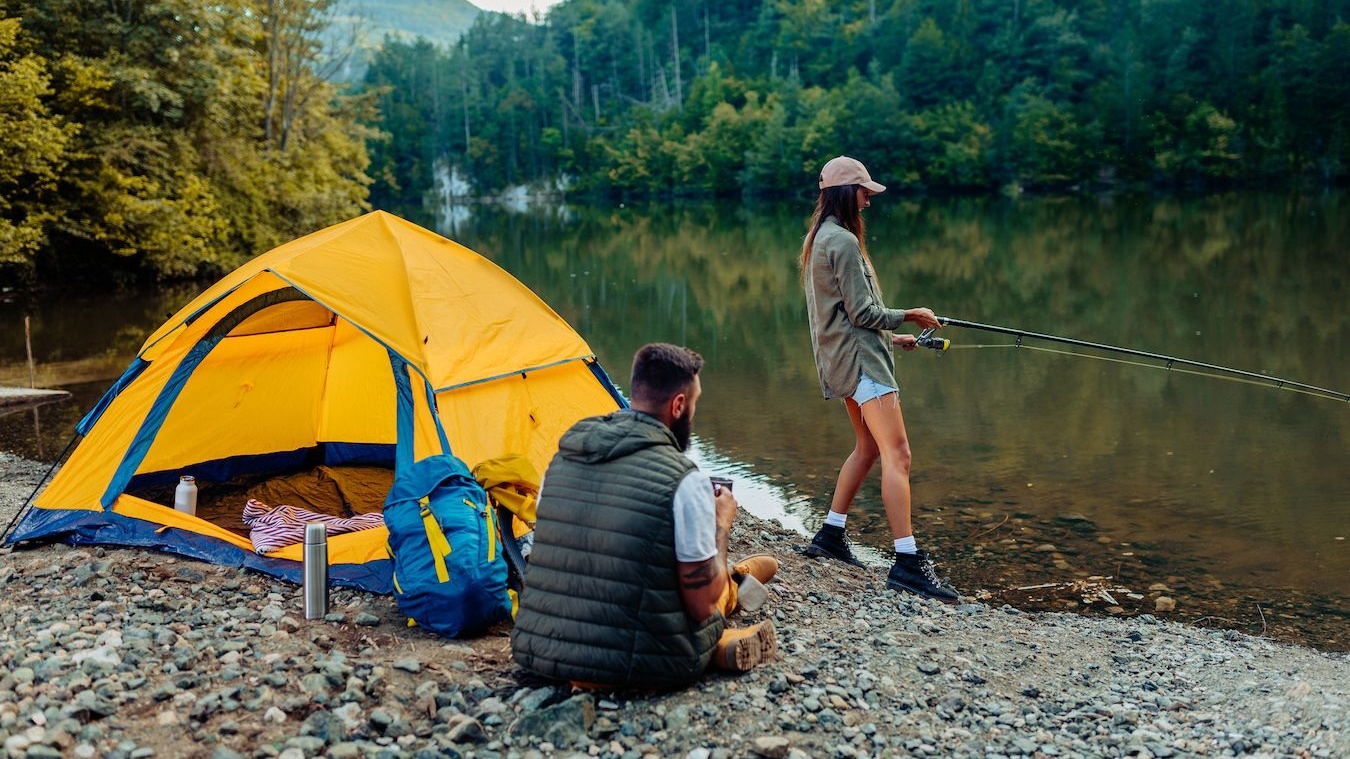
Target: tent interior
338, 491
315, 392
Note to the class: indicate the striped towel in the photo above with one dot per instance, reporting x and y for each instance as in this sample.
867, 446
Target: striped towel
274, 527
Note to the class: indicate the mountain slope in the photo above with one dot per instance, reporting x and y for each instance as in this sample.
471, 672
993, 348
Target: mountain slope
439, 21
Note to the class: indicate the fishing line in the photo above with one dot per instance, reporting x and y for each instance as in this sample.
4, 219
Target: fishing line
926, 339
1127, 362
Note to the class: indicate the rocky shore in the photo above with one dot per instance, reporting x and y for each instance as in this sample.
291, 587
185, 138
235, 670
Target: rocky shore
108, 652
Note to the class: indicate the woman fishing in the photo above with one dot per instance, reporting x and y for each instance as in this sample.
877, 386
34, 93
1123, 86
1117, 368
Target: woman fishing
851, 336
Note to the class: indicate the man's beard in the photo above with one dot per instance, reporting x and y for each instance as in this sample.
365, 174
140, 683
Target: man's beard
682, 428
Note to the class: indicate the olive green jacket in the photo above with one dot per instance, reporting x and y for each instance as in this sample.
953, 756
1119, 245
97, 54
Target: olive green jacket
850, 324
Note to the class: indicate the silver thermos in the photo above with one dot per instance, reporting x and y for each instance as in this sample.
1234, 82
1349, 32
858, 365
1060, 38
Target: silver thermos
316, 570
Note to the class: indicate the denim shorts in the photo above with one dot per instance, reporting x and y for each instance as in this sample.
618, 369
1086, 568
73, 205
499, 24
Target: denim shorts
869, 388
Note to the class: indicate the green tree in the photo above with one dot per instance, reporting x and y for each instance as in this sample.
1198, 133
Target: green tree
415, 112
774, 158
32, 153
131, 189
1043, 143
1334, 93
952, 146
928, 72
1202, 148
192, 151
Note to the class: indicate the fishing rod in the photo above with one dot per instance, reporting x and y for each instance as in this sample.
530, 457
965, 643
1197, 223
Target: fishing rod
926, 339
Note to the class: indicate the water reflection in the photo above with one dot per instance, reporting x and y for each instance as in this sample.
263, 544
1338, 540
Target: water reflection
1244, 482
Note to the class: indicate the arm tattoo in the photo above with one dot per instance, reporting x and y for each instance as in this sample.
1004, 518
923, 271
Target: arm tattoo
700, 576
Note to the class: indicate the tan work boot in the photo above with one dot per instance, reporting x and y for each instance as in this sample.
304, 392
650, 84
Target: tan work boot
750, 574
745, 648
762, 566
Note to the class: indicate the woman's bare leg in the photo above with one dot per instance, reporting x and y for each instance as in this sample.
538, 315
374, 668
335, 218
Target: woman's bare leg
858, 464
885, 425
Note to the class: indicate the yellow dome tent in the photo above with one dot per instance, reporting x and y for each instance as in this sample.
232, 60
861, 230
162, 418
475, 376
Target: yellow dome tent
285, 364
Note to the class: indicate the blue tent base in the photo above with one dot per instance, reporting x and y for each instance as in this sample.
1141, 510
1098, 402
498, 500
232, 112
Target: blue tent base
106, 528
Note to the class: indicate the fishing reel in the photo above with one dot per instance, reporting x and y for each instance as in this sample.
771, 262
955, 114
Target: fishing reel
926, 340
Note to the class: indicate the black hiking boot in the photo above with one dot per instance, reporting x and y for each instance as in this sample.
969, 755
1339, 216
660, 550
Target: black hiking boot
831, 542
914, 573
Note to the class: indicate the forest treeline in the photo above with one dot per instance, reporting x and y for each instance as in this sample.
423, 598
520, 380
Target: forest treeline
174, 139
169, 138
657, 97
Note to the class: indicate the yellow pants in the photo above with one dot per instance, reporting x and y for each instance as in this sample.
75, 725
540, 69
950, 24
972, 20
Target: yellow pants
727, 602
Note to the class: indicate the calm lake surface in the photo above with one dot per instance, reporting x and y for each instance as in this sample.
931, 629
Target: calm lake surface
1031, 468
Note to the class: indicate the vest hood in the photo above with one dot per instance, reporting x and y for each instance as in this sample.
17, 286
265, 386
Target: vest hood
613, 436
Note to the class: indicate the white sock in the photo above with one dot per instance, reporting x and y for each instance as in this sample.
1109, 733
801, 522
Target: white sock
836, 519
906, 545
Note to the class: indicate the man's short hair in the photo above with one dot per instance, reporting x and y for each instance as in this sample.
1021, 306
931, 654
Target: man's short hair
660, 370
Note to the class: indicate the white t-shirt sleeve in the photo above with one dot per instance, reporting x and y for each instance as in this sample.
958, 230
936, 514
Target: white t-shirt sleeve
695, 519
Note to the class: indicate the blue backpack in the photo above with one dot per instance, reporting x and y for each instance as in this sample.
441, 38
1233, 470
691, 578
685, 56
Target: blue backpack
449, 573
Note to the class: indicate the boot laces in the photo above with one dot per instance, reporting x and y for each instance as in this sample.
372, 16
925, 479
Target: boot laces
930, 571
846, 544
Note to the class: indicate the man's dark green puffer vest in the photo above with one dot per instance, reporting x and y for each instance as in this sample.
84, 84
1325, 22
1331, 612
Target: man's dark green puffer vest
602, 602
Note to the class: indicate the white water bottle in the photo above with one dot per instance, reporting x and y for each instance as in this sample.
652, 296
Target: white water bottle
185, 496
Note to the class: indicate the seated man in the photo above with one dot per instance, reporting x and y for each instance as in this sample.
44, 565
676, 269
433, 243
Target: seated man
628, 585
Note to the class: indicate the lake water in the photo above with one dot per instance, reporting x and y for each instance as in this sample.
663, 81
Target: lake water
1041, 479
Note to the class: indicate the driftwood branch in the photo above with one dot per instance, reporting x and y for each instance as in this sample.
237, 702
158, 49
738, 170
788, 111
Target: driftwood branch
974, 535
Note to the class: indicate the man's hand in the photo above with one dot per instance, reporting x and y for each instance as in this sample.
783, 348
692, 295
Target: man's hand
726, 510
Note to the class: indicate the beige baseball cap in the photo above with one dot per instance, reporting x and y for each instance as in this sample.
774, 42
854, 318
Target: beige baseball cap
844, 171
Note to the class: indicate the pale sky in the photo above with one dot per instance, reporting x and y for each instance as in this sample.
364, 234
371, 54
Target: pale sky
516, 6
